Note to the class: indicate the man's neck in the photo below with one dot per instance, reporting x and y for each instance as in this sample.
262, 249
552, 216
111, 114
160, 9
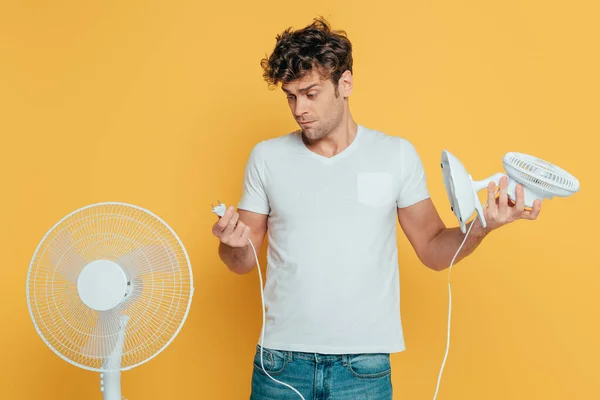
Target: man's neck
335, 142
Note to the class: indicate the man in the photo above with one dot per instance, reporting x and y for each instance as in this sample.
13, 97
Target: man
329, 195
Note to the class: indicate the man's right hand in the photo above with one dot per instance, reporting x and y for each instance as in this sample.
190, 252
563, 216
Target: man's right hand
230, 230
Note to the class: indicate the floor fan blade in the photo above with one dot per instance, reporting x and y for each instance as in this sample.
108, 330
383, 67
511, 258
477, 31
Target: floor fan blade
64, 257
149, 259
103, 338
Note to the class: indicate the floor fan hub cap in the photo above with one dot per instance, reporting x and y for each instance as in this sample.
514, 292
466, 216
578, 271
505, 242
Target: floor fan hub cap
102, 285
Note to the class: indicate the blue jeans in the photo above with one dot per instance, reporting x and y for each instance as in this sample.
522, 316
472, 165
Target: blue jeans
321, 376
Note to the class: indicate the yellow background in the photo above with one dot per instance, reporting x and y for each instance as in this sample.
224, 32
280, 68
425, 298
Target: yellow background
159, 103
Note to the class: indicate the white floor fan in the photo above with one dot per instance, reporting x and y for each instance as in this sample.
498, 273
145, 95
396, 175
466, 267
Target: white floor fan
109, 287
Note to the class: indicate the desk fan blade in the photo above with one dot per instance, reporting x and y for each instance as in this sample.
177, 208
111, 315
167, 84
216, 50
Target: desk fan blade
149, 259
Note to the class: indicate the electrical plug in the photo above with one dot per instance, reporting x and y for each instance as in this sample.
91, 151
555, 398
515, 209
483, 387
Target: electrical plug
219, 209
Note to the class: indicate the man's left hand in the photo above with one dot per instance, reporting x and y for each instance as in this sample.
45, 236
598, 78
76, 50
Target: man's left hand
501, 211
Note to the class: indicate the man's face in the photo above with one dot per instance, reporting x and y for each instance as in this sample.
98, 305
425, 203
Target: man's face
315, 105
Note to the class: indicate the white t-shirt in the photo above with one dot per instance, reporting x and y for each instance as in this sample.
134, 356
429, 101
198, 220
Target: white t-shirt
332, 281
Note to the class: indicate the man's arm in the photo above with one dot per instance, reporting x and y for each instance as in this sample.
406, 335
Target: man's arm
436, 245
234, 229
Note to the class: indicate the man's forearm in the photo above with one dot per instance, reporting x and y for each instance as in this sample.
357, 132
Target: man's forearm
444, 245
238, 259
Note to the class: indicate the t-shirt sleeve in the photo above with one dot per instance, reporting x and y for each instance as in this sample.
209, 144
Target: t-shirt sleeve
254, 195
413, 183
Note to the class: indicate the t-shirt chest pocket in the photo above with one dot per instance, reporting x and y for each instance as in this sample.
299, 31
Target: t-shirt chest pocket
375, 189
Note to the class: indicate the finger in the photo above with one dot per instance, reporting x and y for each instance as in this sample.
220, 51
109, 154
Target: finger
238, 232
230, 228
491, 194
221, 224
503, 198
535, 211
245, 235
520, 204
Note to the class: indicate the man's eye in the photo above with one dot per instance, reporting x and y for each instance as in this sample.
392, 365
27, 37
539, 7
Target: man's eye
290, 97
312, 95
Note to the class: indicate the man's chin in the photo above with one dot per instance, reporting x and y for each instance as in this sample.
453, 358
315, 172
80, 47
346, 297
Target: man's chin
311, 134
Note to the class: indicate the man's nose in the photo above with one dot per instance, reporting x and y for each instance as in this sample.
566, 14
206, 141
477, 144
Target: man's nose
301, 107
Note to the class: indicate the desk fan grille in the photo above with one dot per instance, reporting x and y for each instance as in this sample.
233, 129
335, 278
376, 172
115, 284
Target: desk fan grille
159, 285
533, 171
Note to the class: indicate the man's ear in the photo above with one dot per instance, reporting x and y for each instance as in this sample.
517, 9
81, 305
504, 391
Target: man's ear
345, 84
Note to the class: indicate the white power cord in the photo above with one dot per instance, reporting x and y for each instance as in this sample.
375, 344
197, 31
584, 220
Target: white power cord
450, 306
262, 333
220, 211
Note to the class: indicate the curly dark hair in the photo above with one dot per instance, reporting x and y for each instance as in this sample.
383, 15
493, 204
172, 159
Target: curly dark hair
298, 52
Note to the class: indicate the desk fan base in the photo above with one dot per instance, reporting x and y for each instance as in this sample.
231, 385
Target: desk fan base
462, 190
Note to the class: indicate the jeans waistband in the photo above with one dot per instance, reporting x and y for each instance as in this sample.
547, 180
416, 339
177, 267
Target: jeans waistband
316, 357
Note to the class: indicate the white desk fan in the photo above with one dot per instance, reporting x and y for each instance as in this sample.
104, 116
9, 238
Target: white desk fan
109, 287
540, 180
